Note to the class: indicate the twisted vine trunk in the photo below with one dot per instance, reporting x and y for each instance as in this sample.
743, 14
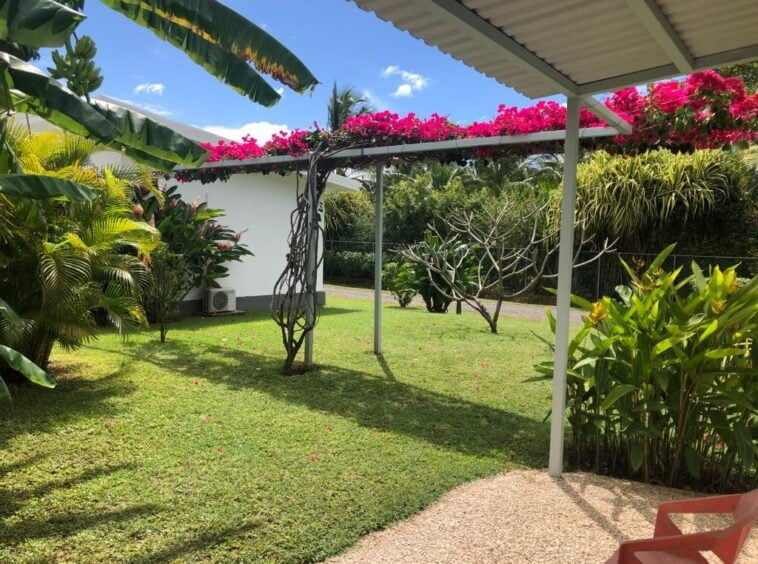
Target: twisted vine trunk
294, 296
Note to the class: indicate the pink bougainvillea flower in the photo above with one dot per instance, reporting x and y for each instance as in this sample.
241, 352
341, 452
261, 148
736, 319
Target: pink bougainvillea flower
705, 110
110, 422
313, 458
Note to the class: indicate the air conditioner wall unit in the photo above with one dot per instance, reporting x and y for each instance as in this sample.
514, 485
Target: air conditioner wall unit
219, 300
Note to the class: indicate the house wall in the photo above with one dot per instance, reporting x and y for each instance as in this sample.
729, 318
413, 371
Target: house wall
261, 204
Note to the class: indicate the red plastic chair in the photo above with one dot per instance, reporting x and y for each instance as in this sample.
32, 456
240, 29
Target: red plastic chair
671, 546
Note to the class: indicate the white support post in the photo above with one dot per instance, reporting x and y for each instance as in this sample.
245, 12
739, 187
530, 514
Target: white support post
565, 268
310, 272
378, 250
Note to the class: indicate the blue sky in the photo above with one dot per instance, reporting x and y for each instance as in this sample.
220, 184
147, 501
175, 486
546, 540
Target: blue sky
334, 38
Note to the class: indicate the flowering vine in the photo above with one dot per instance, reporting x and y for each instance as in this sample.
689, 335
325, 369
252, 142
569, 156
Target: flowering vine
705, 110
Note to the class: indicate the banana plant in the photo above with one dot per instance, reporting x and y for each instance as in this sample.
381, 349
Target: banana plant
10, 322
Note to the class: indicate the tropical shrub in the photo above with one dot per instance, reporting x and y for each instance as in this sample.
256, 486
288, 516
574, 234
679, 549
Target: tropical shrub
350, 265
644, 201
400, 279
192, 230
66, 264
662, 381
169, 283
429, 283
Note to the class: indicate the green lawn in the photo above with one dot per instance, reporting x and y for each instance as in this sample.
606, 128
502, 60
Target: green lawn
200, 449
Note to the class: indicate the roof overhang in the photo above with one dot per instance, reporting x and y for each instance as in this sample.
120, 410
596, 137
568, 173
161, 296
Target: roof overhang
580, 47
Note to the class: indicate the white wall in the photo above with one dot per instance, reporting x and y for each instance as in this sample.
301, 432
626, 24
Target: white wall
262, 204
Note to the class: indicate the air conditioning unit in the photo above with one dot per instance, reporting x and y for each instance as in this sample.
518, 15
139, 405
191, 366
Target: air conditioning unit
219, 300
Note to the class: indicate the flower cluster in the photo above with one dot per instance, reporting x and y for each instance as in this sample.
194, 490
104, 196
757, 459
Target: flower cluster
705, 110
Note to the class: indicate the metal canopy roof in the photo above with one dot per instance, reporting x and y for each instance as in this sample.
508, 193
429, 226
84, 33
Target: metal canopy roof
580, 47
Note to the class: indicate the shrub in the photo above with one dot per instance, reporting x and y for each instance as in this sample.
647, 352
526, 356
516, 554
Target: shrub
354, 265
400, 279
662, 381
170, 280
192, 230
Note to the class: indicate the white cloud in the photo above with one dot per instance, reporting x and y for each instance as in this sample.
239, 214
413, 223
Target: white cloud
155, 88
403, 91
280, 91
390, 70
261, 131
411, 81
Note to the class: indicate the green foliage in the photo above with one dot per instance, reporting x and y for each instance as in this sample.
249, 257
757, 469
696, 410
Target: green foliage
428, 283
349, 216
662, 381
412, 204
169, 283
748, 72
343, 103
64, 265
351, 265
192, 230
400, 279
646, 201
12, 325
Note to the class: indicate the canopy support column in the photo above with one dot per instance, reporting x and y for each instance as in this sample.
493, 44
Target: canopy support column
565, 268
311, 272
378, 251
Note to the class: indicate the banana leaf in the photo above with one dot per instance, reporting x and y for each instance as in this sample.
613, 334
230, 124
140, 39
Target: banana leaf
23, 365
221, 26
37, 23
35, 92
41, 187
149, 141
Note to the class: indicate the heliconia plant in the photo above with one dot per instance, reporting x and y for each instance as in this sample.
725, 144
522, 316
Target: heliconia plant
705, 110
663, 380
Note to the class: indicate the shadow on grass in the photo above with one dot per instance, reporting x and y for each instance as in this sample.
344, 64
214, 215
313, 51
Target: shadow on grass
68, 521
200, 542
35, 409
376, 401
198, 322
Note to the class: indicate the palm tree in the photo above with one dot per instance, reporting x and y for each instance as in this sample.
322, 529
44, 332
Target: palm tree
343, 103
64, 261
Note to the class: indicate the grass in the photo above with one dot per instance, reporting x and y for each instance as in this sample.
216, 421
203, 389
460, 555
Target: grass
200, 449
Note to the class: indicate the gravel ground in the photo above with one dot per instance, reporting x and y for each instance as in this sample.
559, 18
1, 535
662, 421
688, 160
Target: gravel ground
527, 311
528, 517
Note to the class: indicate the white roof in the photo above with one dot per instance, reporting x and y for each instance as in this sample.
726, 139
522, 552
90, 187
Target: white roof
580, 47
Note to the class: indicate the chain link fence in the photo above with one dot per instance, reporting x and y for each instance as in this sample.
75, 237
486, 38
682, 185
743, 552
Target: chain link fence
352, 263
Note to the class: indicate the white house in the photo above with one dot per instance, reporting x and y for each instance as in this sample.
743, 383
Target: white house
256, 203
262, 204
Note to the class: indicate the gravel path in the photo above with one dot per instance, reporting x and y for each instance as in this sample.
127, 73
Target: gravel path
527, 311
528, 517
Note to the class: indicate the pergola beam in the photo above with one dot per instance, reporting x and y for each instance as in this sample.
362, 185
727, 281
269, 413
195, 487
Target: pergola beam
733, 56
390, 151
607, 115
664, 34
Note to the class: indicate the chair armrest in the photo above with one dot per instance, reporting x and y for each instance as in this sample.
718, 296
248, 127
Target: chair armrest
689, 543
664, 526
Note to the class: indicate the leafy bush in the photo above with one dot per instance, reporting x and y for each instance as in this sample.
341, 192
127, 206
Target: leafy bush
169, 283
353, 265
646, 200
192, 230
662, 382
400, 279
